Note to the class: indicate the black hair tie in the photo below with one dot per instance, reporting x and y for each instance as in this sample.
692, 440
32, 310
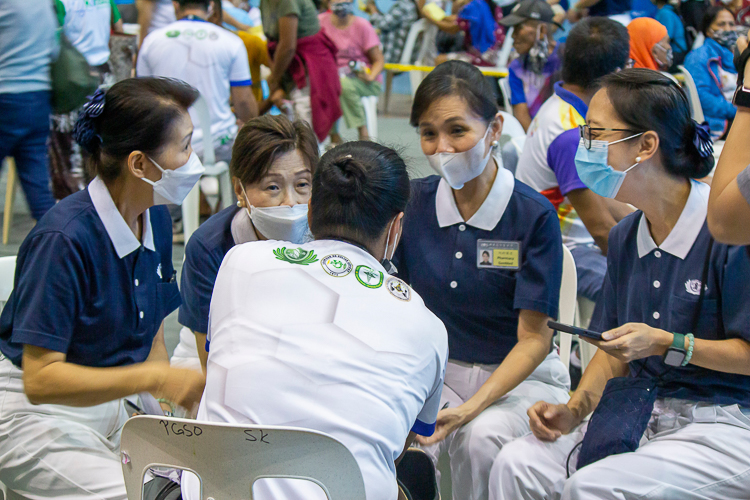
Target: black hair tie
85, 130
702, 139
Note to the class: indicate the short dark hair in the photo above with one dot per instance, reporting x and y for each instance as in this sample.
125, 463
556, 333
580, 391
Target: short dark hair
202, 4
647, 100
455, 78
710, 16
485, 252
595, 47
357, 188
264, 139
138, 115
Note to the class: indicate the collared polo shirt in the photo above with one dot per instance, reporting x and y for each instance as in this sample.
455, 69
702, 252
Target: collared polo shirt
85, 286
318, 336
547, 162
660, 286
439, 256
203, 255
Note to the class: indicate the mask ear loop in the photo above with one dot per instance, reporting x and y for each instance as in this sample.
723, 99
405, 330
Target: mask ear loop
386, 262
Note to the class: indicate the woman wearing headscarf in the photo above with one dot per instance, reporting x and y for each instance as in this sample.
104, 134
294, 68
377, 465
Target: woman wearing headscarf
649, 44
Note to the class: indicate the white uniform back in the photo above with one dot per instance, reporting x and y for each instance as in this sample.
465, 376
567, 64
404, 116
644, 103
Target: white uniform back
207, 57
293, 344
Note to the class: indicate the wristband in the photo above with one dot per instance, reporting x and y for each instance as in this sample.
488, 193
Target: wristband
691, 339
741, 95
167, 402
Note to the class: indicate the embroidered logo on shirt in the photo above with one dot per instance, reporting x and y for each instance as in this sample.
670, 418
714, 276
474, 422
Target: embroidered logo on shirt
693, 287
398, 289
336, 265
158, 270
296, 255
369, 277
173, 33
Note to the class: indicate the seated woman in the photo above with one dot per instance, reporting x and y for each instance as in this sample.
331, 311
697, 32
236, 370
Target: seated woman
712, 68
83, 327
501, 356
318, 336
649, 44
532, 74
273, 161
483, 37
359, 59
303, 63
675, 321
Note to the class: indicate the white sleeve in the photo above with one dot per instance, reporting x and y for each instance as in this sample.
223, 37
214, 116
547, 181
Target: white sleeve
239, 72
425, 424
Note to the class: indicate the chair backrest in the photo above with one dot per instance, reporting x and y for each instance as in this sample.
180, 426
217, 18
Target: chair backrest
504, 85
692, 92
502, 58
230, 458
567, 308
204, 122
7, 274
511, 126
411, 41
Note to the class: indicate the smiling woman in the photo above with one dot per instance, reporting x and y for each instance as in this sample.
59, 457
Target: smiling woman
273, 160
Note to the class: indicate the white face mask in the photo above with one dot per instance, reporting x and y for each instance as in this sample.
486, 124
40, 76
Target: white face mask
174, 185
459, 168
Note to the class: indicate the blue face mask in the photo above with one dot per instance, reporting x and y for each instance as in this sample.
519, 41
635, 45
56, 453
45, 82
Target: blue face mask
595, 172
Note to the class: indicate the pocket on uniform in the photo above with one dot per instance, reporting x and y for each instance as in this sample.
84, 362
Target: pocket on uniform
683, 313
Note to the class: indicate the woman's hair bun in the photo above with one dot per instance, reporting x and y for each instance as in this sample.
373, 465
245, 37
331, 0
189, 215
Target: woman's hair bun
347, 176
85, 131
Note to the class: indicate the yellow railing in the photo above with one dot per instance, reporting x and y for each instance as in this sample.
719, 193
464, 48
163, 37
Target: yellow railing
498, 72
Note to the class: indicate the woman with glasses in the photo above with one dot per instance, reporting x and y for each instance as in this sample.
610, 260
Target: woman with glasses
485, 253
671, 380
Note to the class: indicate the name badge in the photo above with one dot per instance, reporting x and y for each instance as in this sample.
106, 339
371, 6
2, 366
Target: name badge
495, 254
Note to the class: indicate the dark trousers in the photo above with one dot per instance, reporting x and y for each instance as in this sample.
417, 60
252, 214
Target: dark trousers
24, 128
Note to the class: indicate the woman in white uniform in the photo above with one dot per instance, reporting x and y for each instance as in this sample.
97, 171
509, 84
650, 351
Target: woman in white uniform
671, 381
273, 161
83, 327
496, 312
319, 336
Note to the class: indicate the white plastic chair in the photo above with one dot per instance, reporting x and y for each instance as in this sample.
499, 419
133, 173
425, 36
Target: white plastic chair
191, 205
692, 92
370, 103
502, 58
584, 312
511, 141
415, 77
230, 458
567, 308
504, 85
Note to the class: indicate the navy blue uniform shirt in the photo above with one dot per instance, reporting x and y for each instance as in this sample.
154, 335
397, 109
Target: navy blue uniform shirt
86, 286
479, 305
203, 256
660, 286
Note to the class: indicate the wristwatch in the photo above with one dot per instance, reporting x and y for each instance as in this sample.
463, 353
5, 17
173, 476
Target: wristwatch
741, 95
676, 353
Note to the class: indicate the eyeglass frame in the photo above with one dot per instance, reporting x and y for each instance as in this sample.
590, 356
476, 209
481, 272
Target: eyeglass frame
587, 141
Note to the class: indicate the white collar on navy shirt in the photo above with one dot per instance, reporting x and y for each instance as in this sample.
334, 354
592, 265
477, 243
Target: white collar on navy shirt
118, 230
492, 209
680, 240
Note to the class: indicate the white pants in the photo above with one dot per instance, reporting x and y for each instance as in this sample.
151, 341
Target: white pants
689, 451
474, 446
54, 451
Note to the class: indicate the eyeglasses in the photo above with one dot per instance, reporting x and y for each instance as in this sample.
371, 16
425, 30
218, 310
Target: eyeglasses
586, 133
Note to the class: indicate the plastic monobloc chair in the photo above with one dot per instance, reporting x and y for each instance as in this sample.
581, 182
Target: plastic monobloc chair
230, 458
